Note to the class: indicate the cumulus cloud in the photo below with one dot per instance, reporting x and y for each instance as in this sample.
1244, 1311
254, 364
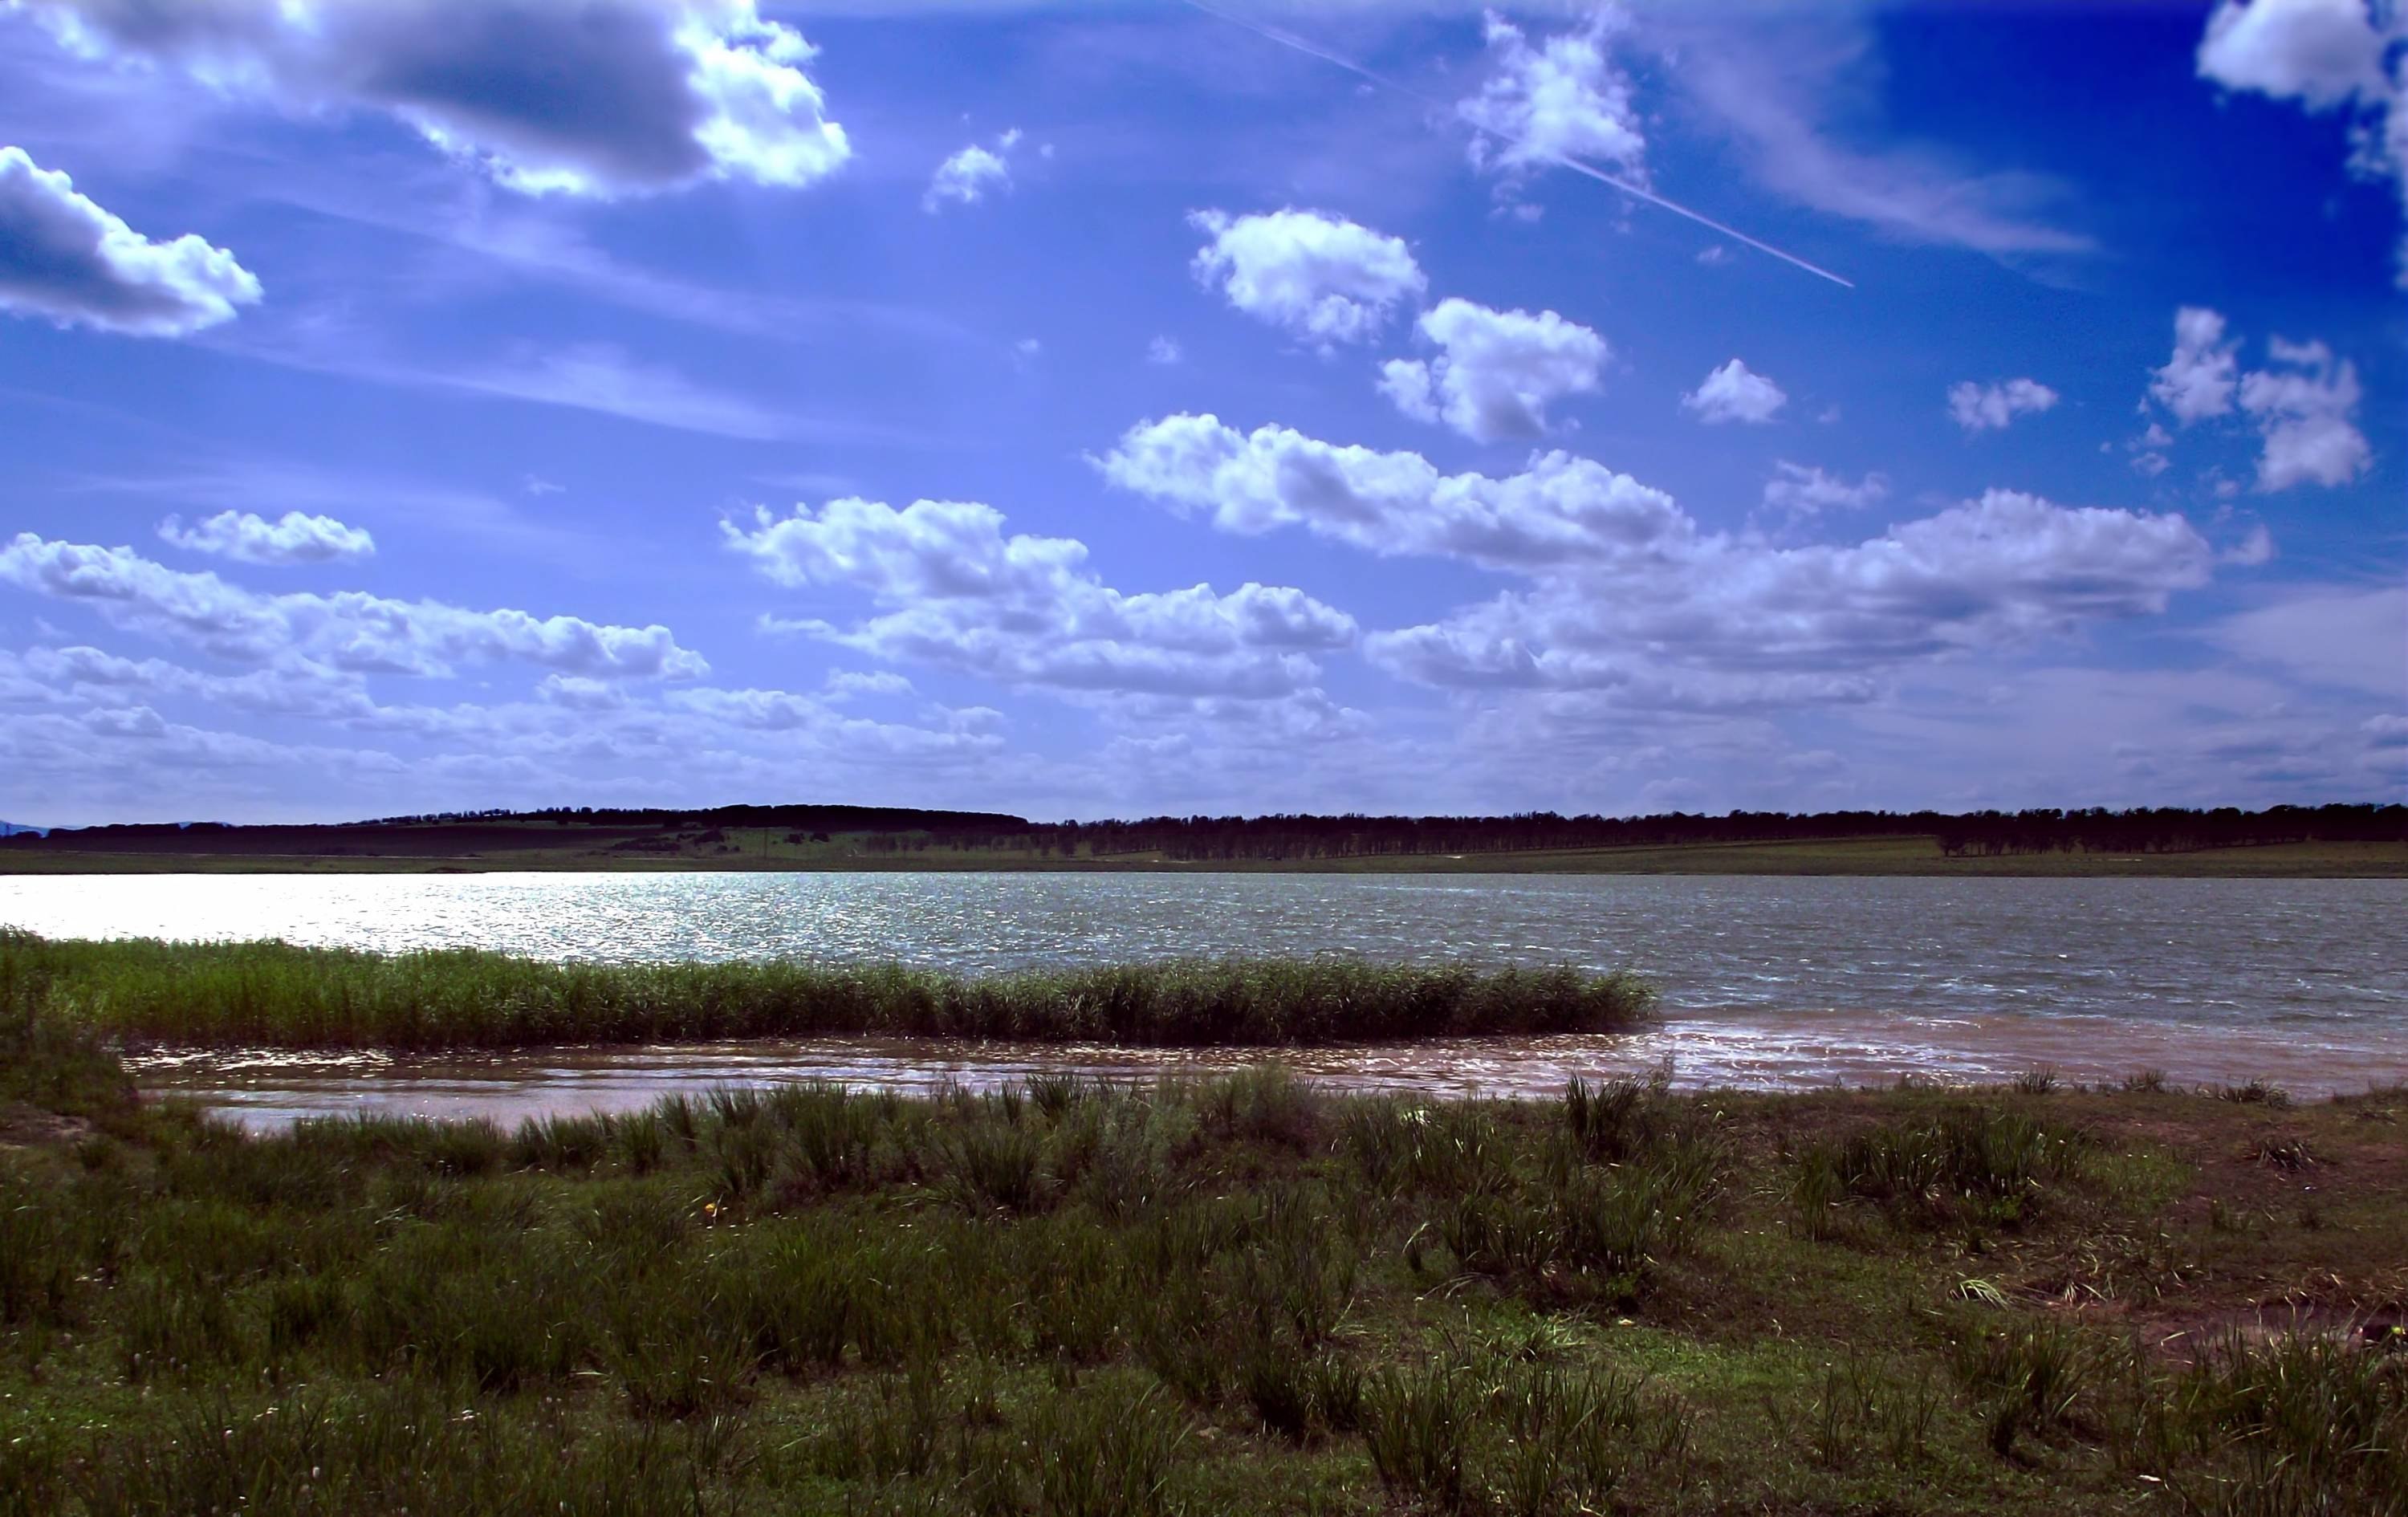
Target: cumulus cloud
1735, 393
2306, 409
64, 259
1802, 490
1560, 509
1321, 278
2321, 53
966, 177
349, 631
1165, 352
1563, 98
294, 539
292, 685
1627, 595
1985, 407
592, 97
2197, 382
141, 754
2327, 55
953, 590
1496, 372
1734, 622
2304, 403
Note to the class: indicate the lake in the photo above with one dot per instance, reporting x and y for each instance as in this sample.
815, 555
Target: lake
1766, 981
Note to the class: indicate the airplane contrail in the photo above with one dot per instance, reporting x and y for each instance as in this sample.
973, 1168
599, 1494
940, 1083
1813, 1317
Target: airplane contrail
1638, 192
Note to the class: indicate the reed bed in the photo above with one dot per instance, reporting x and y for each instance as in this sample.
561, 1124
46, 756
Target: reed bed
275, 994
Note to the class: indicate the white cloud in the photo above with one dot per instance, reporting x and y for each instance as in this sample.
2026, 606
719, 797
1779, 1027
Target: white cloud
966, 177
1629, 594
140, 755
606, 97
1320, 278
1735, 393
1163, 353
349, 631
1728, 622
103, 742
844, 684
294, 539
1803, 489
1560, 509
953, 590
2197, 382
1979, 407
291, 685
1496, 371
2321, 53
2306, 409
2327, 55
1561, 99
63, 258
2304, 403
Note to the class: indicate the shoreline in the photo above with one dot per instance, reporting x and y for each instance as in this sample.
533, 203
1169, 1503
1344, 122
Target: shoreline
1879, 857
1742, 1051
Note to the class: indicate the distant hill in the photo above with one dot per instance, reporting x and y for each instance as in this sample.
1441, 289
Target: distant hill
11, 829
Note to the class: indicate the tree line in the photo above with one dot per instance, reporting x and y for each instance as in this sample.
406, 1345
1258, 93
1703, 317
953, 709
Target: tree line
1353, 834
2097, 829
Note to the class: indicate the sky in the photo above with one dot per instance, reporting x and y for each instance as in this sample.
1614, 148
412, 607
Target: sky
1143, 407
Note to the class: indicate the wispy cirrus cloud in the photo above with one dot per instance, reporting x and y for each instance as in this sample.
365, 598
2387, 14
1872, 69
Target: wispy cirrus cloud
1781, 94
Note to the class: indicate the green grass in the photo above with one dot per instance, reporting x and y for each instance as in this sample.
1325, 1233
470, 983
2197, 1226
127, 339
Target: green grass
275, 994
1238, 1295
1234, 1296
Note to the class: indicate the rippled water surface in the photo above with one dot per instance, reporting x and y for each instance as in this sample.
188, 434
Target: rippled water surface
1766, 979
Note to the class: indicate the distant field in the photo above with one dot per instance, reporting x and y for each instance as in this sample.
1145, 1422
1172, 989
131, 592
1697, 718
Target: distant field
540, 847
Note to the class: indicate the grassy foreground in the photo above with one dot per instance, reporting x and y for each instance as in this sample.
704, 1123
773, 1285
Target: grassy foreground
273, 994
1235, 1296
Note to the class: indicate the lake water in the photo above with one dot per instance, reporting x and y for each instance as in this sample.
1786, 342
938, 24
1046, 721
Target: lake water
1766, 981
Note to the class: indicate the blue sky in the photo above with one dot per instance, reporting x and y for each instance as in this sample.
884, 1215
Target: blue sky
1119, 407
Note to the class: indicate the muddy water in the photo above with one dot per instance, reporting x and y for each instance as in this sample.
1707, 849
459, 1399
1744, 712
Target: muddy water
1766, 981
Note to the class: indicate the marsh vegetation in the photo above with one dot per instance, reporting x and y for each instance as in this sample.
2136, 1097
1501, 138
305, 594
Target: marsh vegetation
1233, 1295
274, 995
